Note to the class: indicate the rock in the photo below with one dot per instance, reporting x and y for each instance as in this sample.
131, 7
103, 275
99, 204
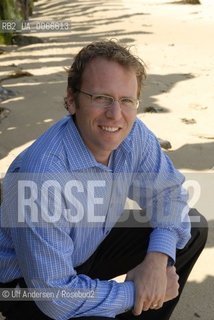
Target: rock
188, 121
165, 144
153, 109
197, 106
187, 2
3, 113
207, 136
6, 94
191, 1
2, 50
197, 315
17, 73
21, 40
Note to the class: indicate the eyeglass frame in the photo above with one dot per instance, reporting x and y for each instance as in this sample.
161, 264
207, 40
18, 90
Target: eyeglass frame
137, 101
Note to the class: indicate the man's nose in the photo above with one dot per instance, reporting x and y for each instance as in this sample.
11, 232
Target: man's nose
114, 110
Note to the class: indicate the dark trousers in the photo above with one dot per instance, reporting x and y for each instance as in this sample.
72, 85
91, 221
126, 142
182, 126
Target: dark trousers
122, 250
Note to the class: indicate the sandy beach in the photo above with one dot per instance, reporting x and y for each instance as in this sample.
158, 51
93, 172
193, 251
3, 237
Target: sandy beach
176, 43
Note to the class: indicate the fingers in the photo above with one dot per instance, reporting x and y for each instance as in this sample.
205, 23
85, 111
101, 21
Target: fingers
139, 305
142, 304
146, 306
156, 305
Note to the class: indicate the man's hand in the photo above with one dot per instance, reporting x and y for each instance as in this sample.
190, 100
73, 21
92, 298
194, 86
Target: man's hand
150, 279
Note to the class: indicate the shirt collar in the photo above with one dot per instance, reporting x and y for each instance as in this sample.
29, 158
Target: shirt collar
79, 156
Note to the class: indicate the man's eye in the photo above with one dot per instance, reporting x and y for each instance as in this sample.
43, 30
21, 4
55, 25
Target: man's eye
127, 101
102, 99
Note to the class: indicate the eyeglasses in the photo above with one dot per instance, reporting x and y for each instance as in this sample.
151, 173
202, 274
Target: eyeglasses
103, 101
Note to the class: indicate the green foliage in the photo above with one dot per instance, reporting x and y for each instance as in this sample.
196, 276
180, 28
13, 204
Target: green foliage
14, 10
5, 38
10, 10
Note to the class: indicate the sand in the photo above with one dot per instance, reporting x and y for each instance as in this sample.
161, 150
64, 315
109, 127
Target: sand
176, 43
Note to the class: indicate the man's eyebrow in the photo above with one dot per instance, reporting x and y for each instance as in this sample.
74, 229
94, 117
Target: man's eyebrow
103, 93
109, 95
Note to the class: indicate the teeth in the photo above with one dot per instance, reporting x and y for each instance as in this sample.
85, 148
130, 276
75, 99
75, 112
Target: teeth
110, 129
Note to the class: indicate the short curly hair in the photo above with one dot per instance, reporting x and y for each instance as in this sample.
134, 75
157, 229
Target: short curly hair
110, 50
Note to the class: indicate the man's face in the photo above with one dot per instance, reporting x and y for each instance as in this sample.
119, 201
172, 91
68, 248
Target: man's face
103, 129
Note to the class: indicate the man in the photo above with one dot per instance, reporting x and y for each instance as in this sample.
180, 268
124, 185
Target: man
64, 228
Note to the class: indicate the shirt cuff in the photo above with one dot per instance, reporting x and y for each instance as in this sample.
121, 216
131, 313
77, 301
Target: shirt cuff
128, 292
164, 241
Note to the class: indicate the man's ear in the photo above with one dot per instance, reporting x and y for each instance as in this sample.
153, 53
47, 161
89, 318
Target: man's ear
70, 101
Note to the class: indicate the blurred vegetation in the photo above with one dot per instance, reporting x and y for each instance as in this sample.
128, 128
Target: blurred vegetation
14, 10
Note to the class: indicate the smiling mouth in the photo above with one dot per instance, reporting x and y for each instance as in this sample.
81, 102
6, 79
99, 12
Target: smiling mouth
110, 129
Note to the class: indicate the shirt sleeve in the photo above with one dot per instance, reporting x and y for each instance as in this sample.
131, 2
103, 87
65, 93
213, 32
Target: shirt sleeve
45, 257
157, 187
45, 260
